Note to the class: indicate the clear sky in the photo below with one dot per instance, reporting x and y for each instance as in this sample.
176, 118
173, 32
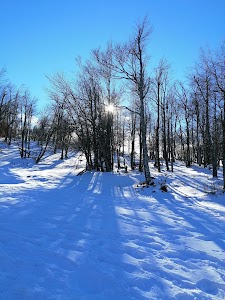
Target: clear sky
41, 37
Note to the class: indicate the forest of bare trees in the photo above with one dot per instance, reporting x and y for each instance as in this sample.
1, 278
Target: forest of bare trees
117, 104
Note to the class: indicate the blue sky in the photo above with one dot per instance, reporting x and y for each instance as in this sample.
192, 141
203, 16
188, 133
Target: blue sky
41, 37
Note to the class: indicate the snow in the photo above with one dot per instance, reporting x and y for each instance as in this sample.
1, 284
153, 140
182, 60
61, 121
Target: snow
104, 236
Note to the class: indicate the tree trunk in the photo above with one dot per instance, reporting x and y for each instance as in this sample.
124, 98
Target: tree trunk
223, 141
165, 153
132, 155
144, 141
157, 128
140, 151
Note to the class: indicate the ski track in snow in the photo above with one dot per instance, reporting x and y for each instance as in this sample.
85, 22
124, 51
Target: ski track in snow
99, 236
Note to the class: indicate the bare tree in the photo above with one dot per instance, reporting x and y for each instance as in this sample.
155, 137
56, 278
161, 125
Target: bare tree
26, 107
184, 100
106, 74
160, 83
130, 63
44, 131
216, 67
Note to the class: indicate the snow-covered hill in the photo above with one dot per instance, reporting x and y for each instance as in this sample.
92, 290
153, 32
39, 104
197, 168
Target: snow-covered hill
102, 236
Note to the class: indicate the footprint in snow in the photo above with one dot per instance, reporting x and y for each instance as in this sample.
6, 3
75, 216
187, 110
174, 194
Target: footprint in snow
207, 286
135, 253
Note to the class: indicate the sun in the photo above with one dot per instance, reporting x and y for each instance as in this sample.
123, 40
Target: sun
110, 108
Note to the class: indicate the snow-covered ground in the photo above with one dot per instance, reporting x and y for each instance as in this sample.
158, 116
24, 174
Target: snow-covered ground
103, 236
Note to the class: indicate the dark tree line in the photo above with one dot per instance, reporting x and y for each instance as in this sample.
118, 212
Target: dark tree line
113, 106
16, 112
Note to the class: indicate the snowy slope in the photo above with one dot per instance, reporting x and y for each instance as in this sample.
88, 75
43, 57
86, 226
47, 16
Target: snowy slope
100, 236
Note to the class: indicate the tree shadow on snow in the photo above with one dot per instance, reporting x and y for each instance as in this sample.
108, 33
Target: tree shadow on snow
67, 242
96, 237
